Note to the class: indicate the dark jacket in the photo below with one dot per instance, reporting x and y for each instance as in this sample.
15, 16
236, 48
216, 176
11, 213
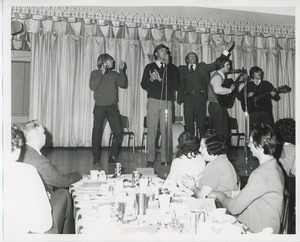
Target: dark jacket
50, 175
198, 80
263, 87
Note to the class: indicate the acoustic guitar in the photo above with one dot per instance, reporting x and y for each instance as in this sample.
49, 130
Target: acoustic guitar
257, 100
227, 100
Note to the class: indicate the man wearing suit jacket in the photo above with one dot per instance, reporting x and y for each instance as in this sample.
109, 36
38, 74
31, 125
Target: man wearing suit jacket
53, 179
194, 80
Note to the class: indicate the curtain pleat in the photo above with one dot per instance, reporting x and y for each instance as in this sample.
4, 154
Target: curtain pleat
64, 54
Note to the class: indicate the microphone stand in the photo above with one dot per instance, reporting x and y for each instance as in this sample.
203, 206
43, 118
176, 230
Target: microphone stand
166, 117
167, 149
247, 125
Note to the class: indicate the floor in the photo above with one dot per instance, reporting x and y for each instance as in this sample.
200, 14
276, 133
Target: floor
81, 159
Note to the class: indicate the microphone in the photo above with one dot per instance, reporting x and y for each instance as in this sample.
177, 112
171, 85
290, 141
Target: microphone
235, 71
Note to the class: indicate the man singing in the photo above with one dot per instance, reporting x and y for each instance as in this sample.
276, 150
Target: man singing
160, 80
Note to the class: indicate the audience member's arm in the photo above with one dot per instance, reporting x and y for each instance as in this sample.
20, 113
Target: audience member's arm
253, 190
202, 192
52, 176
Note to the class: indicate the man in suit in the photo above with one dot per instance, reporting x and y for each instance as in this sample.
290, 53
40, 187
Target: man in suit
194, 80
53, 179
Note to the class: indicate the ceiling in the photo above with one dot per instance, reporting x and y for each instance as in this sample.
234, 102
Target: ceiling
290, 11
282, 16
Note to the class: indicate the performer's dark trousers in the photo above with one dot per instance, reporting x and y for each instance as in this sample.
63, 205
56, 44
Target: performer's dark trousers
261, 117
219, 116
112, 114
195, 105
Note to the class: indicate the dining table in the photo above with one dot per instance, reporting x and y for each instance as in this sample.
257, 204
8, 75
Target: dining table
128, 208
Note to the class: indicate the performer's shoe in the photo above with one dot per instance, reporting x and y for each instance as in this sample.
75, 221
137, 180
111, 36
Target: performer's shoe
150, 164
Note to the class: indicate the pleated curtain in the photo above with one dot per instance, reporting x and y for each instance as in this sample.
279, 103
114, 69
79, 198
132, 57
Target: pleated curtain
64, 53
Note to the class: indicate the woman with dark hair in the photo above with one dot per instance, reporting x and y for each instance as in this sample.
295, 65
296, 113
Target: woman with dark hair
188, 160
219, 174
104, 82
260, 204
285, 133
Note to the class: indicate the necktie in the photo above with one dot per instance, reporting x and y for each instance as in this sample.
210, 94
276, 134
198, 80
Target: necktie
191, 68
161, 65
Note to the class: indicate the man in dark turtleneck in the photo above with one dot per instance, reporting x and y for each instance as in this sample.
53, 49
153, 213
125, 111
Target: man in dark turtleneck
194, 79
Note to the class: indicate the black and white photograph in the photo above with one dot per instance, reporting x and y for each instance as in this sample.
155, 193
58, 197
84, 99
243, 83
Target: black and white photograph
149, 120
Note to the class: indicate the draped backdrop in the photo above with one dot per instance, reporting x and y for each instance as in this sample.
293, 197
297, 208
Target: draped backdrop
65, 43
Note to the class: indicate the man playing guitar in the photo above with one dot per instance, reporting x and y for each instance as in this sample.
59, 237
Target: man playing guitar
260, 109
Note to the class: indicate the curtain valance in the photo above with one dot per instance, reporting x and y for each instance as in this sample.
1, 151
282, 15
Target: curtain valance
82, 22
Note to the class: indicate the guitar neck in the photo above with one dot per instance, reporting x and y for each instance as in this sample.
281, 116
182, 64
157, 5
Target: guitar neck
237, 82
264, 94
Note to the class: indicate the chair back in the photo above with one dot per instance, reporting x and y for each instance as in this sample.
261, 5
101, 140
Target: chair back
233, 124
178, 119
285, 218
145, 122
125, 122
208, 123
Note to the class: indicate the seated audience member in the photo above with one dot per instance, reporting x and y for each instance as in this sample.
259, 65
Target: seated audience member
188, 160
219, 174
26, 203
260, 203
285, 133
53, 179
35, 140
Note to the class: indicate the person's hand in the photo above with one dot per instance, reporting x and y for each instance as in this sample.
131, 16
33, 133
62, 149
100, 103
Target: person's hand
230, 46
154, 75
232, 87
188, 181
122, 65
83, 175
212, 195
273, 93
103, 69
250, 94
